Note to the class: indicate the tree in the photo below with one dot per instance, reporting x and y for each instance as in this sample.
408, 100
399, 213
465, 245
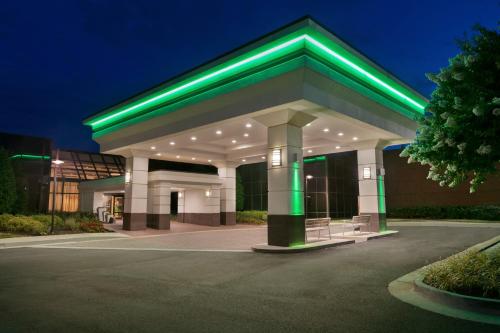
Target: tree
459, 135
7, 183
240, 193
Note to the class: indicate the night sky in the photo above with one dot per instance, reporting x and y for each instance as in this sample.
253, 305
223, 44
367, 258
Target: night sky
63, 60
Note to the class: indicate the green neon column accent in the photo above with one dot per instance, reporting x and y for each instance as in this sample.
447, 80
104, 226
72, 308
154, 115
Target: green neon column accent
296, 197
381, 203
30, 157
301, 40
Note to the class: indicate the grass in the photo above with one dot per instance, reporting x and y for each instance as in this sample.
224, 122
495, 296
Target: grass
472, 272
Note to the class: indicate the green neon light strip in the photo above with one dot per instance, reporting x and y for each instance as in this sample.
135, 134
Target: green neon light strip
307, 41
297, 199
381, 195
314, 159
30, 157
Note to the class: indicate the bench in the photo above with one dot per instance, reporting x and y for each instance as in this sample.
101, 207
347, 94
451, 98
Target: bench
359, 221
318, 225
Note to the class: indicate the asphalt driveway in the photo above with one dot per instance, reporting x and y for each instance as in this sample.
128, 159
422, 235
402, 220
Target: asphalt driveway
341, 289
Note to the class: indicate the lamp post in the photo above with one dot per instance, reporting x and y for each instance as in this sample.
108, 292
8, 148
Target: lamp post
57, 162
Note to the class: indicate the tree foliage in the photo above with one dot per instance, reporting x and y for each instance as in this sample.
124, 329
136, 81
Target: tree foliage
240, 193
460, 135
7, 183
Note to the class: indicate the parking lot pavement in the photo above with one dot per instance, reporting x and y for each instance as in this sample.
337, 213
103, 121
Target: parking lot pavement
341, 289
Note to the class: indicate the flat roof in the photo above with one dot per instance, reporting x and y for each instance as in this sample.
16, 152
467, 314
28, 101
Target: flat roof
302, 37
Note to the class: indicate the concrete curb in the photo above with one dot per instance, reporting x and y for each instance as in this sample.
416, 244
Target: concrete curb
411, 289
264, 248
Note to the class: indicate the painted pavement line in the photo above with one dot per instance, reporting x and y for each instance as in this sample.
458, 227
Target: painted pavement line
151, 236
133, 249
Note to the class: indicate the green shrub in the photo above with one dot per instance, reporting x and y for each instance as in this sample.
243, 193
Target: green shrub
489, 213
47, 220
71, 224
23, 224
251, 217
4, 219
469, 273
95, 226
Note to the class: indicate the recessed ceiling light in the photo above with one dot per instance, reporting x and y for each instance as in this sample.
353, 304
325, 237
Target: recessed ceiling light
177, 156
337, 147
248, 125
243, 160
158, 154
218, 132
193, 158
308, 124
263, 157
209, 161
309, 151
245, 135
340, 134
193, 138
153, 147
326, 130
355, 138
233, 141
172, 143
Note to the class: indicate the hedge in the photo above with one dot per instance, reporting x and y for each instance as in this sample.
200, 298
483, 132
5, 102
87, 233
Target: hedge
22, 225
251, 217
489, 212
470, 273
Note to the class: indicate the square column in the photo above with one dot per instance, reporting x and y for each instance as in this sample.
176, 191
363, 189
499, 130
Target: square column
201, 206
159, 205
227, 174
285, 176
180, 206
136, 193
371, 200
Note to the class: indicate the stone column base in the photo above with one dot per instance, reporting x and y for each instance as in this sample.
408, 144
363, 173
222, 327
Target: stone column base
286, 230
228, 218
378, 222
158, 221
210, 219
134, 221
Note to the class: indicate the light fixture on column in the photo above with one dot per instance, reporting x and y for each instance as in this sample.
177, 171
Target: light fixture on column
179, 195
207, 193
367, 173
276, 157
128, 177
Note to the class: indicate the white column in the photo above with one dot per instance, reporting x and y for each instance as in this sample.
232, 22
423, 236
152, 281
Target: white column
180, 206
159, 205
202, 206
371, 200
285, 178
136, 193
227, 174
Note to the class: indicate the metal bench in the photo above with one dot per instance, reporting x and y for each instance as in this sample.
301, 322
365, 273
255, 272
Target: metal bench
359, 221
318, 225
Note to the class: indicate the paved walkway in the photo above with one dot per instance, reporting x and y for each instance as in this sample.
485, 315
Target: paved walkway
341, 289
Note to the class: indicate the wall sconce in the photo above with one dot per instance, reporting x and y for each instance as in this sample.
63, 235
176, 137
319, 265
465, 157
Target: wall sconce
276, 157
179, 194
367, 174
128, 177
207, 193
